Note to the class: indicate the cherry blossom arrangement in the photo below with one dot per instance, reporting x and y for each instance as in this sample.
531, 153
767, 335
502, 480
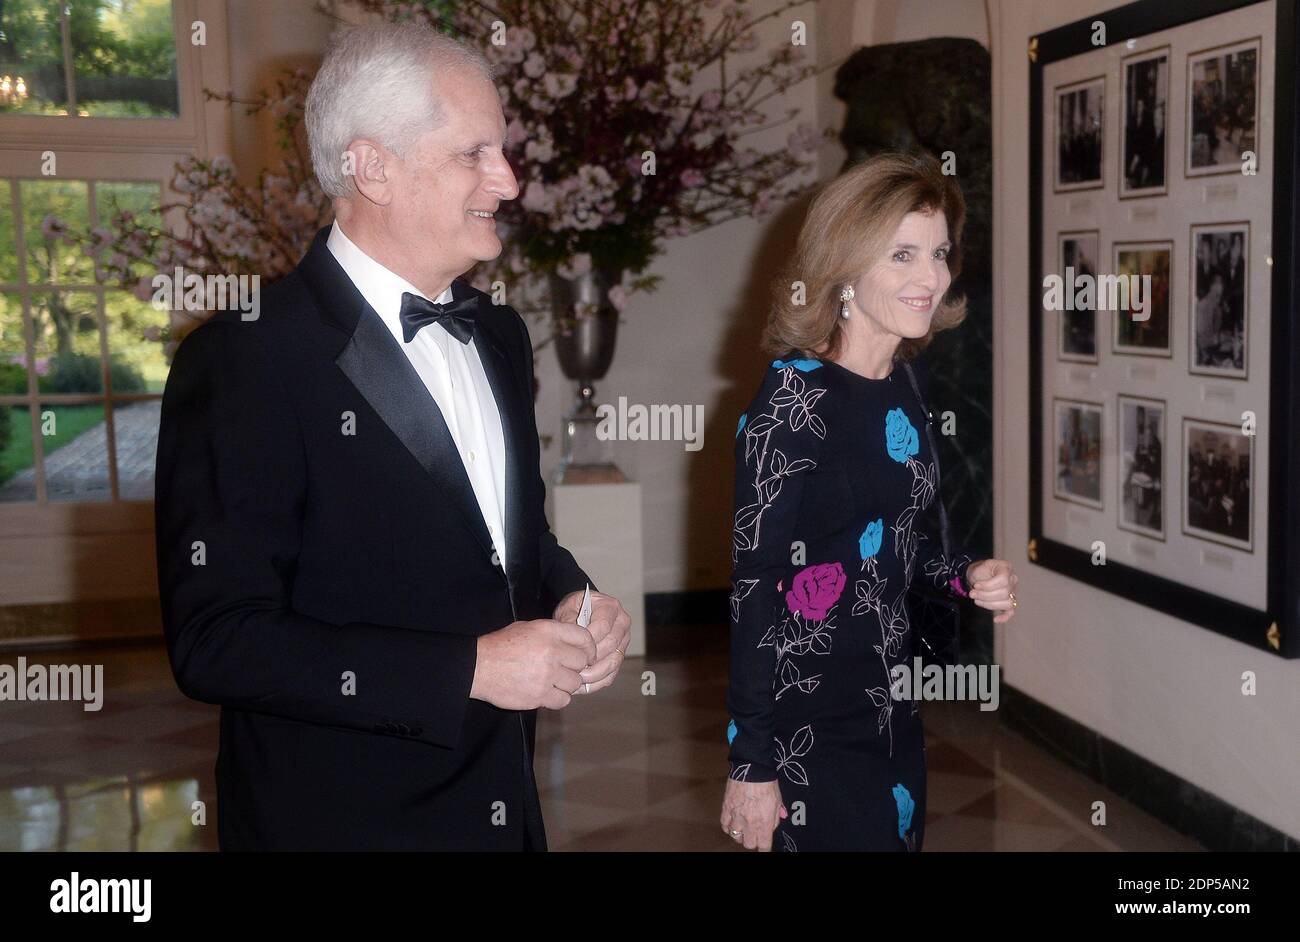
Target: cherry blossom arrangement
628, 124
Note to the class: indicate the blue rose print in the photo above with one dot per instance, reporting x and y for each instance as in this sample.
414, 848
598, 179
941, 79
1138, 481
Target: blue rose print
740, 426
803, 366
900, 437
731, 731
869, 542
903, 798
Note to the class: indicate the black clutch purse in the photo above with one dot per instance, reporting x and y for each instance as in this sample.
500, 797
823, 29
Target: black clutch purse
935, 617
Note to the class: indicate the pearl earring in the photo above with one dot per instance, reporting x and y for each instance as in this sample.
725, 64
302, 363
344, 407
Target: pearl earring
846, 295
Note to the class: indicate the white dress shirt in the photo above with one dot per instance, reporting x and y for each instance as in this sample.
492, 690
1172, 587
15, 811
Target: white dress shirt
452, 373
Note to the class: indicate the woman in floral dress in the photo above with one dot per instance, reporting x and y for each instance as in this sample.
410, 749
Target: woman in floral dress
833, 472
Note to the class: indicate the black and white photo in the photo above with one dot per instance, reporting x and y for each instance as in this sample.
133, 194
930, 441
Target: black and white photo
1222, 108
1220, 291
1077, 330
1079, 135
1145, 117
1142, 466
1218, 471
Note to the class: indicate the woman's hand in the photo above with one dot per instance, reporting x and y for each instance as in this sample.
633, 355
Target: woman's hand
750, 811
993, 586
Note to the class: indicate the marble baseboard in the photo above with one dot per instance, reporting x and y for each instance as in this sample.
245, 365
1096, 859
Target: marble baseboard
1181, 805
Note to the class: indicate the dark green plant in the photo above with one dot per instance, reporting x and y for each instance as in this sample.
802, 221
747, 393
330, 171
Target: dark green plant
81, 373
13, 380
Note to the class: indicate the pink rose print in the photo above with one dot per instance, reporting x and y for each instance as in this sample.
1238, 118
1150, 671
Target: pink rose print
815, 590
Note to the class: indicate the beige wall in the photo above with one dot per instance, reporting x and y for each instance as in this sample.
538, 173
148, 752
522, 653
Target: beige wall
1167, 690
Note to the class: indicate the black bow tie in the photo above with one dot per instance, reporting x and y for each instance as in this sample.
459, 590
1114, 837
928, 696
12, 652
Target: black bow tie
457, 318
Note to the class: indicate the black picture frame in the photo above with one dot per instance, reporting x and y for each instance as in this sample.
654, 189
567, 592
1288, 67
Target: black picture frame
1276, 628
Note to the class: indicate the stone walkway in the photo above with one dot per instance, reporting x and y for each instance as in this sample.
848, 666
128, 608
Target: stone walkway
78, 471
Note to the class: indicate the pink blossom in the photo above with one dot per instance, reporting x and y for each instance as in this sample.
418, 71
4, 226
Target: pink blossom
100, 238
692, 178
703, 140
711, 99
803, 139
540, 151
534, 66
52, 227
618, 297
516, 131
559, 85
143, 289
536, 198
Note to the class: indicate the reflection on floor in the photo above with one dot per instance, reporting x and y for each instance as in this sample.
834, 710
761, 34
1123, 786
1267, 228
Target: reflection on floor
626, 769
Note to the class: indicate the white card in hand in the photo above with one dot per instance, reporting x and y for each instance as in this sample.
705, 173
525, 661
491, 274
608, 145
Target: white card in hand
584, 613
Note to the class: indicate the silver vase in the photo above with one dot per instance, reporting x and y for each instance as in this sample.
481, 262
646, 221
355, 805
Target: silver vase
586, 326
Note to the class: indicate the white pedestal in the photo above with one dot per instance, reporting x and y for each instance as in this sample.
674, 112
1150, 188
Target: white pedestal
600, 524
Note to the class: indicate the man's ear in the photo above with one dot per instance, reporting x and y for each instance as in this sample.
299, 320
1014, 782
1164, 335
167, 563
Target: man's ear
371, 167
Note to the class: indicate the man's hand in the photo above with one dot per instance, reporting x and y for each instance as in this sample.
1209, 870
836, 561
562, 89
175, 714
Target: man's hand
531, 664
610, 628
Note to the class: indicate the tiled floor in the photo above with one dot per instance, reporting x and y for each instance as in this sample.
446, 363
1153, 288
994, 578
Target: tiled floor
637, 767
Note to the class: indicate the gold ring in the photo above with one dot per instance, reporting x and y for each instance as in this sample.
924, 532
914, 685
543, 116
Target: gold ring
1014, 603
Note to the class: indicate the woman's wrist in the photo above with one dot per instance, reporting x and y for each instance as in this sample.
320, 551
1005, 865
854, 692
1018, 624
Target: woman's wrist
959, 583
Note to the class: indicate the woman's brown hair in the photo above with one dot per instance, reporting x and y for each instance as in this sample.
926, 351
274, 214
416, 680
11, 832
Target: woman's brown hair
848, 228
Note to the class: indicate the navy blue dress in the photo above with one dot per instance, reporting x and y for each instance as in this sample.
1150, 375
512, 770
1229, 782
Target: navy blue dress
833, 471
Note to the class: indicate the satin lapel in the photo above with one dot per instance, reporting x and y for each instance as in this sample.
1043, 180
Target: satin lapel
385, 377
503, 378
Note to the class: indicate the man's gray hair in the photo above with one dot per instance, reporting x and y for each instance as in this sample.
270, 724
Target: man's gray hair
377, 82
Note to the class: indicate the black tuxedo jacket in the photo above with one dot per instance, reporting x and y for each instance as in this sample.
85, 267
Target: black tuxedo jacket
325, 570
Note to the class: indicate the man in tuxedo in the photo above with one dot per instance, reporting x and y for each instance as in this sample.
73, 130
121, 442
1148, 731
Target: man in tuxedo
353, 555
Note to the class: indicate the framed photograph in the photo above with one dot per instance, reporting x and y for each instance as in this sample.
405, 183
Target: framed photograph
1218, 469
1222, 107
1137, 439
1079, 129
1219, 298
1144, 147
1077, 255
1142, 466
1141, 314
1078, 452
